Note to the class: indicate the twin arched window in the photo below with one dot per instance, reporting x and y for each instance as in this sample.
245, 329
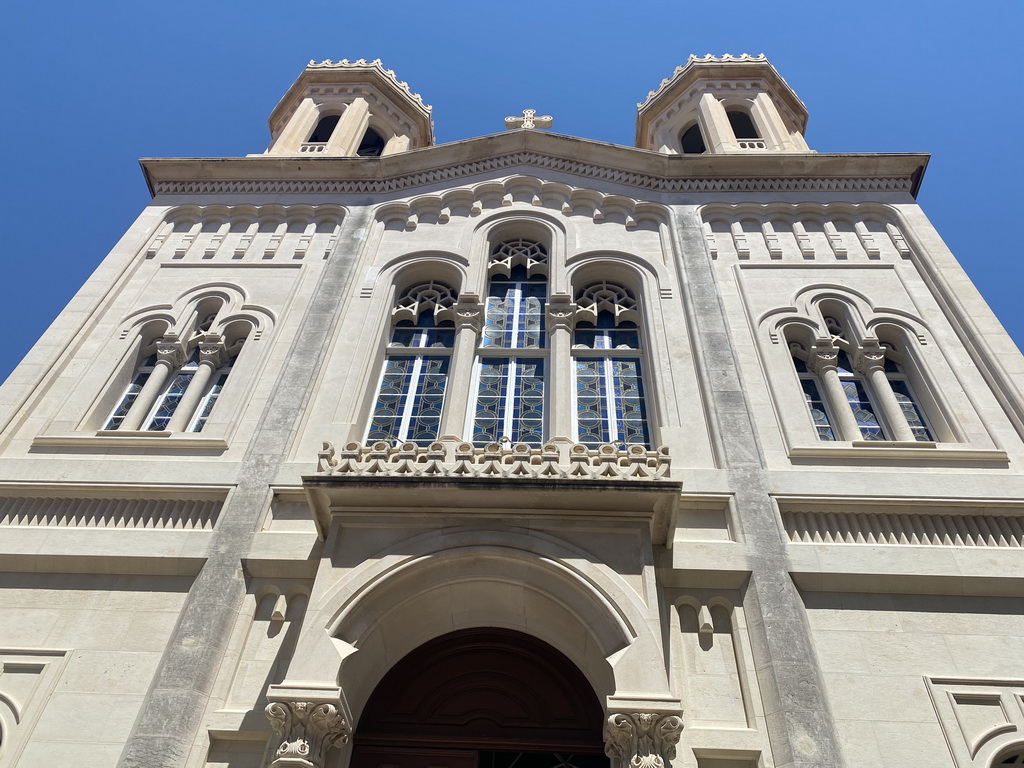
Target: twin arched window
515, 353
858, 390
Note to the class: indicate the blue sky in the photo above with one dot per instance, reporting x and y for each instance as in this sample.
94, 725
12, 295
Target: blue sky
91, 87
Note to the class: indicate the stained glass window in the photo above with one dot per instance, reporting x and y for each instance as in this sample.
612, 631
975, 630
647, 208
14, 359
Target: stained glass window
168, 400
510, 389
128, 398
908, 403
857, 397
410, 398
514, 317
815, 402
208, 401
610, 403
510, 400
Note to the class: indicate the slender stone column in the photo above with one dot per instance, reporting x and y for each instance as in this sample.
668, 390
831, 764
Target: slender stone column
468, 319
299, 126
871, 362
822, 360
170, 357
397, 143
718, 135
350, 129
561, 312
172, 712
212, 356
635, 739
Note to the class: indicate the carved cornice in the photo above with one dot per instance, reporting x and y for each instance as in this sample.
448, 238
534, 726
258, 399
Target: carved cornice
641, 739
375, 65
576, 168
517, 151
452, 459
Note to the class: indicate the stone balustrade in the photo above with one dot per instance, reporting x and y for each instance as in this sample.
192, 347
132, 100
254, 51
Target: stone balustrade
313, 147
453, 458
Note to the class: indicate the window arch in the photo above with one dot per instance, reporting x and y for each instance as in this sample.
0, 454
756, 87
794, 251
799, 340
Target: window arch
692, 141
742, 124
411, 393
610, 401
1013, 756
371, 145
178, 380
324, 129
510, 375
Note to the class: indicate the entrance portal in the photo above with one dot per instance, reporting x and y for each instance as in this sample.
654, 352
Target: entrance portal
482, 698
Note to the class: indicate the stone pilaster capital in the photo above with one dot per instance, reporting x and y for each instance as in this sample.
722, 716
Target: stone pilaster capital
213, 351
469, 312
869, 355
171, 350
643, 738
309, 721
822, 358
561, 312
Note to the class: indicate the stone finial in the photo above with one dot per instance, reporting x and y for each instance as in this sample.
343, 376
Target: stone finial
528, 120
307, 727
641, 739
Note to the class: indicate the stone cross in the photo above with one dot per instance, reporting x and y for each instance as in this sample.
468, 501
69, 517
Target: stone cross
528, 120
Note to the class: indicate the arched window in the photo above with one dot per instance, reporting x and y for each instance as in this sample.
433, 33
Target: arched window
742, 125
372, 144
1015, 756
510, 375
692, 141
178, 381
411, 394
324, 128
610, 404
856, 390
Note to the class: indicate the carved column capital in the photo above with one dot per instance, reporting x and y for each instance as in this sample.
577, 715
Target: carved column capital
641, 739
822, 358
561, 312
309, 722
171, 350
868, 357
469, 312
213, 351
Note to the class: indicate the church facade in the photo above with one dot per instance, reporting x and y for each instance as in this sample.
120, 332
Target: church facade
520, 451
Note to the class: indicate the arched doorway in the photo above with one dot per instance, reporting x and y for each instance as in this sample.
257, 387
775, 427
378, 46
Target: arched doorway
481, 698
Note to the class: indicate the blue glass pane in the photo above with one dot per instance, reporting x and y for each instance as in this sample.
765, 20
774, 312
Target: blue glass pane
911, 411
127, 400
606, 335
410, 400
816, 406
862, 409
168, 401
843, 364
514, 314
610, 401
424, 333
206, 406
510, 401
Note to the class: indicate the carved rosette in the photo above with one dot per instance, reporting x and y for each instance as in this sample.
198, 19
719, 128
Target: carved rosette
641, 739
307, 729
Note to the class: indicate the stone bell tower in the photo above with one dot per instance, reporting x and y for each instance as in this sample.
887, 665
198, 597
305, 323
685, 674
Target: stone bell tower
349, 109
722, 105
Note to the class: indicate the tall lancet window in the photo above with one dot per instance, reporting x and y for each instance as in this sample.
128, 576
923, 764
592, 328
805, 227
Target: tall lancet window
412, 388
811, 386
510, 374
610, 404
